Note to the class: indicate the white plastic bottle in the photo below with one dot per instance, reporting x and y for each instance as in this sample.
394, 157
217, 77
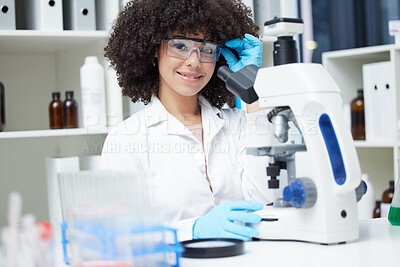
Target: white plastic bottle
92, 93
366, 205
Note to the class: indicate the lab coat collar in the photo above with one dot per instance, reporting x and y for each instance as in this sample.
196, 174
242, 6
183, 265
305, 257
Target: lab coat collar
204, 104
156, 113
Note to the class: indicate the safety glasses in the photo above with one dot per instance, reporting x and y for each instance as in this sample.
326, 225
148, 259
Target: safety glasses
182, 48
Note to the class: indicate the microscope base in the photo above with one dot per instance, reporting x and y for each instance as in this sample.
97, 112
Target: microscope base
301, 225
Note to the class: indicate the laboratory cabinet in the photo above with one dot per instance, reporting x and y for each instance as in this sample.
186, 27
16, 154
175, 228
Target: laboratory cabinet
33, 64
379, 158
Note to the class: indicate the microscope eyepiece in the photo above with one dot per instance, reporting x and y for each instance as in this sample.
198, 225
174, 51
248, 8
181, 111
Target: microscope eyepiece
240, 83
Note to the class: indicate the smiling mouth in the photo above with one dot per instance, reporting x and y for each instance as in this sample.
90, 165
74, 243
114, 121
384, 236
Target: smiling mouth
190, 76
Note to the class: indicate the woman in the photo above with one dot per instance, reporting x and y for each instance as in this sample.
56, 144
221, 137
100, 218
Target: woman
166, 54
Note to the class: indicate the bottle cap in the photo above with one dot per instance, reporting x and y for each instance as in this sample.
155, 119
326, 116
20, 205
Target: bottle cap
56, 94
69, 93
91, 60
360, 91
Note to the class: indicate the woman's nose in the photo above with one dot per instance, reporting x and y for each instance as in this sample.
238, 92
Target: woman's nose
194, 58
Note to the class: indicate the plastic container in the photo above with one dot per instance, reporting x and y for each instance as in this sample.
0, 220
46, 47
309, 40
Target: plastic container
357, 116
387, 197
56, 112
70, 110
366, 205
107, 241
394, 212
92, 93
108, 221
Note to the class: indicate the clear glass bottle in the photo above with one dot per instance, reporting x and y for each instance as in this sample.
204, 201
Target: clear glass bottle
70, 108
56, 112
394, 212
387, 197
2, 108
357, 116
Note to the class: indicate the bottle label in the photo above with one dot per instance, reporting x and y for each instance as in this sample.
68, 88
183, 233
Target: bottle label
385, 207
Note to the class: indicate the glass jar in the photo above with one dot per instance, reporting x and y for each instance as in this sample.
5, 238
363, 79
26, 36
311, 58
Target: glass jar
394, 212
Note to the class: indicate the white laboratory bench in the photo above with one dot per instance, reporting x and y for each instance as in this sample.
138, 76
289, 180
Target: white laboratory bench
378, 245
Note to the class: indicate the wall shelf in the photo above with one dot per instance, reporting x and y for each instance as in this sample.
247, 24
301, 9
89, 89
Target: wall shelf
46, 42
51, 133
376, 144
374, 53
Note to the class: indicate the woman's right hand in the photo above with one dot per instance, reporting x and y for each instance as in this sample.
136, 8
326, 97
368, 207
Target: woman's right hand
249, 49
219, 222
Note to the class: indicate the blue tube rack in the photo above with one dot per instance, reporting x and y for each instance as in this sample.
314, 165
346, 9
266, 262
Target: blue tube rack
106, 235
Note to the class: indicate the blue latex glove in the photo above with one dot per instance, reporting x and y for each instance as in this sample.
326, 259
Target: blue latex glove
249, 49
219, 222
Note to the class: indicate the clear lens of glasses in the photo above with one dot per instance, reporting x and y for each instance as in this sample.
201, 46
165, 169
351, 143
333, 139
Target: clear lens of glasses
182, 48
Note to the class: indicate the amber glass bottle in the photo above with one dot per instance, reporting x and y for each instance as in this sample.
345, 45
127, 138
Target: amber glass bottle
56, 112
70, 108
377, 209
357, 116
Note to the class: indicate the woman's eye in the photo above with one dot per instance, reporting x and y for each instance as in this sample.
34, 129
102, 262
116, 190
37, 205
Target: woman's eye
180, 47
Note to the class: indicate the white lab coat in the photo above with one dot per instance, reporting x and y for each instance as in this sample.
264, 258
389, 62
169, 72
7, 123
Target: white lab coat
152, 139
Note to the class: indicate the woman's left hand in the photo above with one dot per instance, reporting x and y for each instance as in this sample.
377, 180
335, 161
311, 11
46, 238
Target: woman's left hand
249, 49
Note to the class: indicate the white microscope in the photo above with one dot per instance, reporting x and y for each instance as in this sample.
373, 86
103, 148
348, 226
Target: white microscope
319, 204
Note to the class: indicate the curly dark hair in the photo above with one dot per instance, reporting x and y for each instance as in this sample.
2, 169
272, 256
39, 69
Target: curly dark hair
143, 24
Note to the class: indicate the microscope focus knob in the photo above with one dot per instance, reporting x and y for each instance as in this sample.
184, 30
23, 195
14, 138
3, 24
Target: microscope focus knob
301, 193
